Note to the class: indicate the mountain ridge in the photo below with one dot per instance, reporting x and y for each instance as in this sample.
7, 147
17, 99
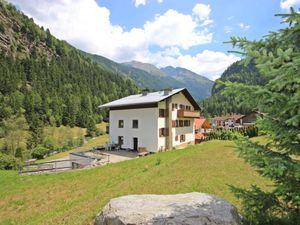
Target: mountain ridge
199, 86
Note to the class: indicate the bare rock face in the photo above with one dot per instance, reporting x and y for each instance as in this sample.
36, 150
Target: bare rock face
188, 209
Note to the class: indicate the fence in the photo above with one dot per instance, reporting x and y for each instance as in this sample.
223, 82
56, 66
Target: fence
61, 165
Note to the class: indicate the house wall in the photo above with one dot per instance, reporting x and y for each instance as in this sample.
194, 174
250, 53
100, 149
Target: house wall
149, 125
188, 131
147, 131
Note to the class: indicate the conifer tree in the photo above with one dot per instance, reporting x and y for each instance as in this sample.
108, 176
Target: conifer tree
277, 56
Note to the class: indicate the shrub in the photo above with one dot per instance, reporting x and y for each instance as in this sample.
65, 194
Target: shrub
8, 162
19, 153
39, 152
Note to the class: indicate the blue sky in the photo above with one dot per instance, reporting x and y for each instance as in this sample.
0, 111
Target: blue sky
185, 33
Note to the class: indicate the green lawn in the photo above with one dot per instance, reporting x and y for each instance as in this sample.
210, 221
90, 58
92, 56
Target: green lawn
76, 197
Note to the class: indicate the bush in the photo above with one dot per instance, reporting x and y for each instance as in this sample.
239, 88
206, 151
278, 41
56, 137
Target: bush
8, 162
251, 131
39, 152
19, 153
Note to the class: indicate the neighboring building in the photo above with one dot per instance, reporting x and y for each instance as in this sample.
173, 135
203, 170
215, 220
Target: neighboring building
226, 121
153, 121
250, 118
202, 127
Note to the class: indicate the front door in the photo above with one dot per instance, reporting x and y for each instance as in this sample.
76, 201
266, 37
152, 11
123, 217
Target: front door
135, 144
120, 141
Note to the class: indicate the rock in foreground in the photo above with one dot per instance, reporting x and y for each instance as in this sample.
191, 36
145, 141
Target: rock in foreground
192, 208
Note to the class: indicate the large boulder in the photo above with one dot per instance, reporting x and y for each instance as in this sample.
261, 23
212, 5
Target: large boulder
192, 208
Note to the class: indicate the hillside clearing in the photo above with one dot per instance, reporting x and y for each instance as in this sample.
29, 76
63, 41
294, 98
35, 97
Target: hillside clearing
76, 197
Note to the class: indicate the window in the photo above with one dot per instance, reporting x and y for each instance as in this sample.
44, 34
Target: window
176, 106
163, 132
173, 106
135, 124
121, 123
177, 123
181, 123
188, 108
181, 106
187, 123
182, 138
176, 138
163, 113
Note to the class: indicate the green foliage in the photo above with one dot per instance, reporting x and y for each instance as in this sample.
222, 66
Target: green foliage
8, 162
223, 103
19, 153
45, 81
199, 86
223, 135
233, 134
277, 56
39, 152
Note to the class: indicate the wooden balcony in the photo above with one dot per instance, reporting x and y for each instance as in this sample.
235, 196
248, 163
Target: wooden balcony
188, 114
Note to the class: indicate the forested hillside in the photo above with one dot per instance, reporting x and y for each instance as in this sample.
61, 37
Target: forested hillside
221, 103
45, 81
142, 78
199, 86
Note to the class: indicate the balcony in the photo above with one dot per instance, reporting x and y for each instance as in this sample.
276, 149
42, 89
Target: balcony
188, 114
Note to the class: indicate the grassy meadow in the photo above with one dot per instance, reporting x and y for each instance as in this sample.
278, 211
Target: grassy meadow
75, 197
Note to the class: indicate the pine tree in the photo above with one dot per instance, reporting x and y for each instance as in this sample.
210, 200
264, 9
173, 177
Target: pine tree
277, 56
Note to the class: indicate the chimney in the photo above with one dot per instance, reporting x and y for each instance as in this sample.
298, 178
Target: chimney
167, 91
144, 93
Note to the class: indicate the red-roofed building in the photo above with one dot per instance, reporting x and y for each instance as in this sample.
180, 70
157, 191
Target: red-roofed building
202, 126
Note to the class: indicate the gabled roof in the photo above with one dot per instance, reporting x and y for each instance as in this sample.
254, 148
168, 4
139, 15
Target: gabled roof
149, 98
202, 123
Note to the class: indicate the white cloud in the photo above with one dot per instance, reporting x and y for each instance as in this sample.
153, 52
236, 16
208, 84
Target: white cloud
228, 29
175, 29
87, 26
286, 4
202, 11
137, 3
244, 26
208, 63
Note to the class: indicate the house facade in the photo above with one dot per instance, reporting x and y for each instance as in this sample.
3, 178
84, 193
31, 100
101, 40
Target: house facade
226, 121
153, 121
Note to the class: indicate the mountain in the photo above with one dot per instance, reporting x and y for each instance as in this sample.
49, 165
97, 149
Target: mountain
199, 86
141, 77
220, 102
149, 68
48, 81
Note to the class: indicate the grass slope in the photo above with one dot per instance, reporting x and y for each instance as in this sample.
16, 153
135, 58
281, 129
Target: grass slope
76, 197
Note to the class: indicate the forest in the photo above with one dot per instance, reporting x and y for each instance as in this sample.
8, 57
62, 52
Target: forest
222, 103
47, 82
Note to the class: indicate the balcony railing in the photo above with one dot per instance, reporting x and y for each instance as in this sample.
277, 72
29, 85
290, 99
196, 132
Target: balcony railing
189, 114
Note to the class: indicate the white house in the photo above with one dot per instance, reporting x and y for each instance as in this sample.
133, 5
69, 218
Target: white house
154, 121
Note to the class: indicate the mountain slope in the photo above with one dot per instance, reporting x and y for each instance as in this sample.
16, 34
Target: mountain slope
142, 78
199, 86
221, 103
149, 68
47, 80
